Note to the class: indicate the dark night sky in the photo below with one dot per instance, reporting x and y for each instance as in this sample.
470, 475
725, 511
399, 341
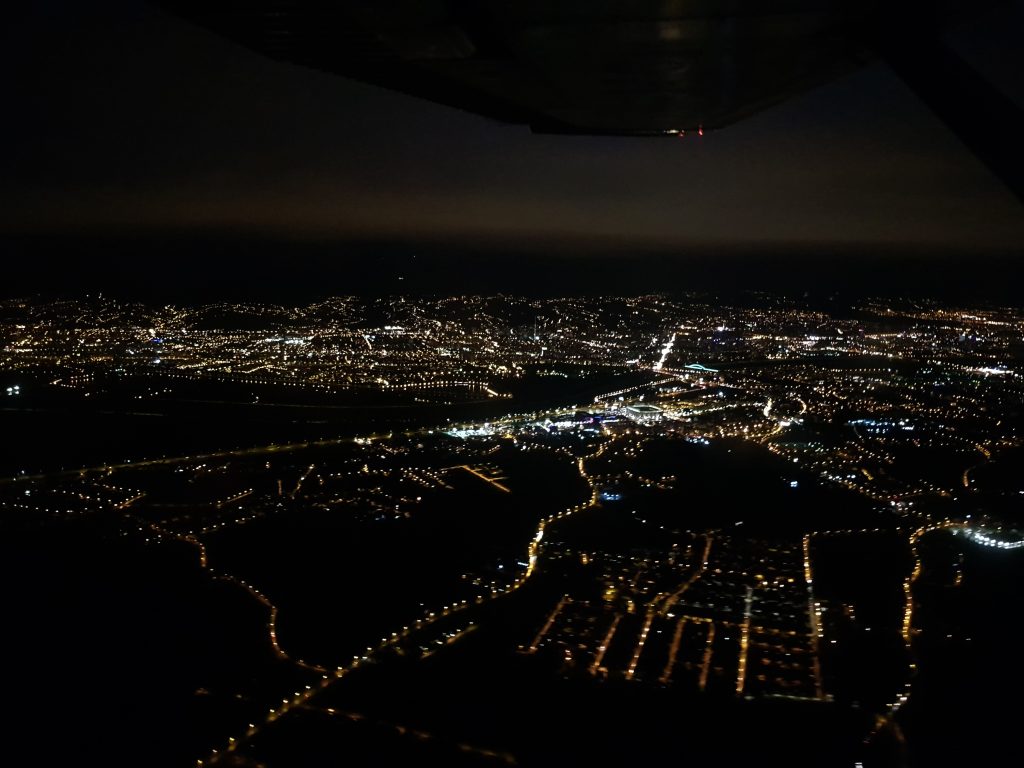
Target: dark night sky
120, 118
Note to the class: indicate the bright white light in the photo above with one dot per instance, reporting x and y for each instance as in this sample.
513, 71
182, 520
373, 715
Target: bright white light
665, 352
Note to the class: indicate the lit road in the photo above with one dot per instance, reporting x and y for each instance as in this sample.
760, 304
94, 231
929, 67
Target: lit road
302, 698
706, 662
673, 649
665, 352
814, 612
302, 479
603, 648
233, 453
741, 669
640, 645
674, 597
547, 624
493, 481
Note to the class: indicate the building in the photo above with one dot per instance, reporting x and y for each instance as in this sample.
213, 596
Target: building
644, 414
